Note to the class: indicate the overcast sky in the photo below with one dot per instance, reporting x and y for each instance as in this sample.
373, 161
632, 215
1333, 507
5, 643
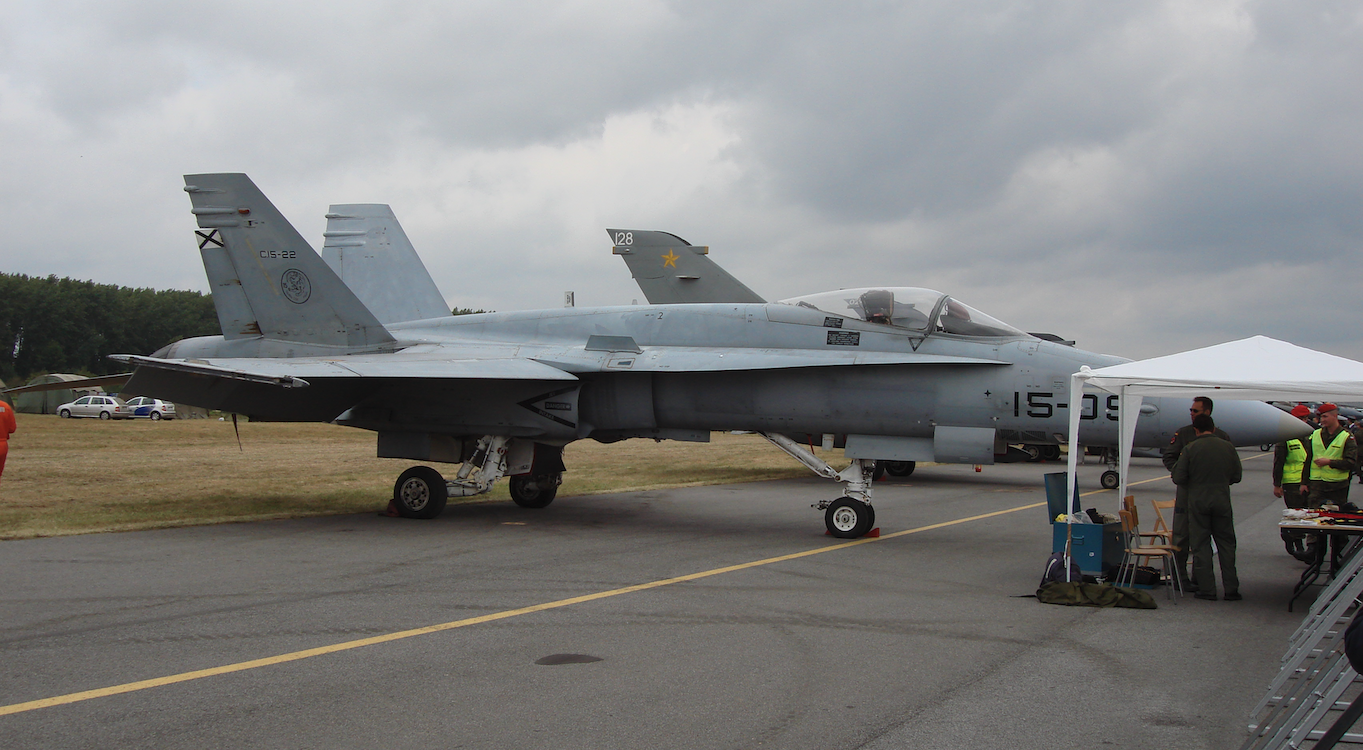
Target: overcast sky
1144, 177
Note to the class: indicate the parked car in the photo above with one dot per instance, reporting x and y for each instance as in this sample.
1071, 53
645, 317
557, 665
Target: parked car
103, 407
152, 408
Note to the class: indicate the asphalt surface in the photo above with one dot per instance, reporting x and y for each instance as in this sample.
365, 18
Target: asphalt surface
920, 640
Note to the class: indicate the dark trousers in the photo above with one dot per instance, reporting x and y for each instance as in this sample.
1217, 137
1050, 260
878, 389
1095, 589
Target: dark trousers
1208, 520
1179, 531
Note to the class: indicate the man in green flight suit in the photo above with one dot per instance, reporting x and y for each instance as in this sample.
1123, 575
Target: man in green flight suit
1207, 467
1170, 455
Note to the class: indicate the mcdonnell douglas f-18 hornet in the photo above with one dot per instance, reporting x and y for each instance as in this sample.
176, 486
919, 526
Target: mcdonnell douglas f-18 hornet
898, 374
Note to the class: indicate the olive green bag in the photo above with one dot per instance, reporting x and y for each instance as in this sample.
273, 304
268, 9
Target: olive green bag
1094, 595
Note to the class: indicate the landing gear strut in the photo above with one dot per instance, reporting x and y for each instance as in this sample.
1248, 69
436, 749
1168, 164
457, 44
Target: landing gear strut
851, 515
1110, 478
421, 492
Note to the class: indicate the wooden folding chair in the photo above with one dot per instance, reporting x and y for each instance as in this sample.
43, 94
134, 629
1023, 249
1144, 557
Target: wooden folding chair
1161, 526
1138, 554
1154, 538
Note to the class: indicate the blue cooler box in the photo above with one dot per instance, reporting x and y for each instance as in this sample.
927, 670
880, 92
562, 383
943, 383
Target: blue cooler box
1095, 548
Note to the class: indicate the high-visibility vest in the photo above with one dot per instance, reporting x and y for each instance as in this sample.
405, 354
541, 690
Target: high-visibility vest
1333, 451
1296, 459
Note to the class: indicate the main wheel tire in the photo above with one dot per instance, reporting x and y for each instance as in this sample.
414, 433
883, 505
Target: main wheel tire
65, 414
899, 468
1050, 452
848, 519
1110, 480
156, 416
878, 472
529, 491
105, 415
420, 492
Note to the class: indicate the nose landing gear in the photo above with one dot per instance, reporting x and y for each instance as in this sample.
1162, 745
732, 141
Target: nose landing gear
850, 516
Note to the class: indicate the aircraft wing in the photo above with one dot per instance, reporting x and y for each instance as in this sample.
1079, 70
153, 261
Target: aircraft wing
294, 372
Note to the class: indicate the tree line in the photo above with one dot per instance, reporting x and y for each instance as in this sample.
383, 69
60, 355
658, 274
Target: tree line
65, 325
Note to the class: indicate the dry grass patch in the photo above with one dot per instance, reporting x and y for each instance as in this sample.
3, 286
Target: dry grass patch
73, 476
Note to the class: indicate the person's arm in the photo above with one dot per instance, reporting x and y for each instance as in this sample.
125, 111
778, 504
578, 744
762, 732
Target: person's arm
1306, 465
1279, 461
1238, 471
1350, 461
1172, 451
1180, 472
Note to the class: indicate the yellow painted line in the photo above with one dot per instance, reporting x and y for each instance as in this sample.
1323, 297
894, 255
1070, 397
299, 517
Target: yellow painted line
131, 687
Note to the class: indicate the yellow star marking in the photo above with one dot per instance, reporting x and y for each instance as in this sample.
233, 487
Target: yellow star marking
670, 259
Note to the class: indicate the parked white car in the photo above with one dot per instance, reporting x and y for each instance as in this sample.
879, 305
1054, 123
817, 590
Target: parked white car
152, 408
102, 407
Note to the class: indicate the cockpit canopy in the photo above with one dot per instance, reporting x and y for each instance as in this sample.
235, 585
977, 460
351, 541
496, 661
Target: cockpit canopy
912, 308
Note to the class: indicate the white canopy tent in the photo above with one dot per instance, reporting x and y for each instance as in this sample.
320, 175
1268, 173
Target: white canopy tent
1257, 368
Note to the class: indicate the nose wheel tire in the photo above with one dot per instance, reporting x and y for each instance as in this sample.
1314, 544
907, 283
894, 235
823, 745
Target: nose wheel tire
1110, 480
849, 519
420, 492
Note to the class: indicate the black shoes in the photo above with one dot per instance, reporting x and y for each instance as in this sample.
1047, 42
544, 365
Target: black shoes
1233, 596
1206, 595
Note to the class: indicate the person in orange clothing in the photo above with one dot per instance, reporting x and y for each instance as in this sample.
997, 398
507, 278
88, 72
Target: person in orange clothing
7, 426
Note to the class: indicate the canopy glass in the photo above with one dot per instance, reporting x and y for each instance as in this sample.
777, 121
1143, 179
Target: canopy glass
912, 308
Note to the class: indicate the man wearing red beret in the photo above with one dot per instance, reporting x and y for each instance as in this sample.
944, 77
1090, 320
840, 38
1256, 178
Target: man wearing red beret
1331, 457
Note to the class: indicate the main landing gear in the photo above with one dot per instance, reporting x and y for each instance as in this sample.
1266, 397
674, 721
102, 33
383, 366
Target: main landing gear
421, 492
851, 515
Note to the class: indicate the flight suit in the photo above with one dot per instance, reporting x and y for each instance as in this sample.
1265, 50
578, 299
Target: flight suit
7, 426
1179, 527
1207, 467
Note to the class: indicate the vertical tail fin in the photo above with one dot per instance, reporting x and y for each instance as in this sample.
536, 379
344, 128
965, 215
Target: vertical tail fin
266, 280
366, 247
670, 270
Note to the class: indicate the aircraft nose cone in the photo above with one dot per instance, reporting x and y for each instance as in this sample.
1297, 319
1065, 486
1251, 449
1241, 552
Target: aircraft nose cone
1290, 427
1257, 423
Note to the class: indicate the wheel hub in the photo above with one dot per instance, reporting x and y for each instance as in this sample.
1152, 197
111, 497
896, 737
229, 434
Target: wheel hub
415, 494
845, 519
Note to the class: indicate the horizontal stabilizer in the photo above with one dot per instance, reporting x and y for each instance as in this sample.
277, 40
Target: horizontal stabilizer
670, 270
111, 381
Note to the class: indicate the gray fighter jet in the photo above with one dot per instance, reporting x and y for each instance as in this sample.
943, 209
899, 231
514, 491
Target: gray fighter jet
904, 374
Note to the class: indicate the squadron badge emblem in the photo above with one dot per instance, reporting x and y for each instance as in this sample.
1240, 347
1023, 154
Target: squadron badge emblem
295, 285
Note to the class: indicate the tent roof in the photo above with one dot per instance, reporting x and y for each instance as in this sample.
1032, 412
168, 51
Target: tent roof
1258, 368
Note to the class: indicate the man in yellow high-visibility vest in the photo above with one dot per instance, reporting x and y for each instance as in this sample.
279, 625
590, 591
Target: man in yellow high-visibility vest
1289, 462
1331, 457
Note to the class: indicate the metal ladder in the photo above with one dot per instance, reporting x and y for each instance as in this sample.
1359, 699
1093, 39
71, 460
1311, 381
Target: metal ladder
1316, 688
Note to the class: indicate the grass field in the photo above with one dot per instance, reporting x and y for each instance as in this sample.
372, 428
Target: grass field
76, 476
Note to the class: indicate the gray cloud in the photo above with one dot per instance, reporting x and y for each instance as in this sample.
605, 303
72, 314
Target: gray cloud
1146, 177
